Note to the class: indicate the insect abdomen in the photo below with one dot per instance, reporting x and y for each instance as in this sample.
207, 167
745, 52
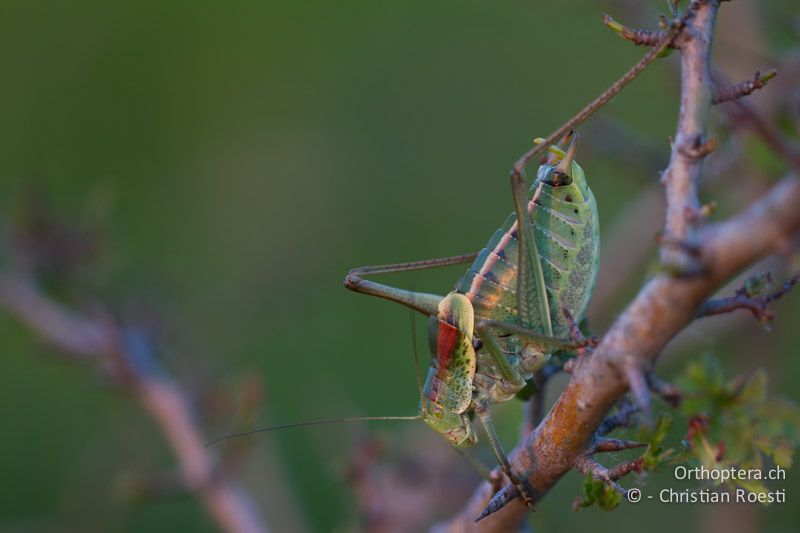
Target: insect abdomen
566, 231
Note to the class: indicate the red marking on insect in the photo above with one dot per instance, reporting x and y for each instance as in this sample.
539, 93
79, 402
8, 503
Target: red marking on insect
446, 344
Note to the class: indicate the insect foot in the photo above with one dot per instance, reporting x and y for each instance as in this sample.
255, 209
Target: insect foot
506, 495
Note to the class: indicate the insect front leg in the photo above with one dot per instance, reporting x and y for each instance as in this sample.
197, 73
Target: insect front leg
511, 381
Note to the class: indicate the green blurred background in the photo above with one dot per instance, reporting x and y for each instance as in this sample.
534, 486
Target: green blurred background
244, 156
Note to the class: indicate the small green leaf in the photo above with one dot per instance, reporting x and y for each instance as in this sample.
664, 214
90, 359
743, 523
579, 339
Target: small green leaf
754, 390
600, 493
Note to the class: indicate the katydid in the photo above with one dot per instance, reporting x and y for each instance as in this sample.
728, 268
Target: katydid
509, 311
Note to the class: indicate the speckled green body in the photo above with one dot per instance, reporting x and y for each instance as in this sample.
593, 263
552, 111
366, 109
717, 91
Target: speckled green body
566, 232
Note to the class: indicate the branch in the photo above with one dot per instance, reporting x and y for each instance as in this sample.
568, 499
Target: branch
664, 305
637, 36
129, 359
621, 418
587, 465
745, 299
605, 444
683, 172
726, 93
741, 112
662, 309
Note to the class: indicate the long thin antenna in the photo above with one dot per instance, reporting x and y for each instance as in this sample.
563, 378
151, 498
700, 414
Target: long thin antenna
342, 420
416, 355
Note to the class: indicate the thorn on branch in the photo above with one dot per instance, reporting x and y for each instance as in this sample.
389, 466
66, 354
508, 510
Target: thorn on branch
668, 392
726, 93
498, 501
621, 418
638, 37
750, 296
606, 444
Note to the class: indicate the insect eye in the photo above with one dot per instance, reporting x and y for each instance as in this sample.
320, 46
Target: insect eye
560, 178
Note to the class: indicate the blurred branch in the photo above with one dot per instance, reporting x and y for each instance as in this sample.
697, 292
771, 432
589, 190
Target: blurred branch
128, 358
639, 37
744, 298
726, 93
741, 112
665, 305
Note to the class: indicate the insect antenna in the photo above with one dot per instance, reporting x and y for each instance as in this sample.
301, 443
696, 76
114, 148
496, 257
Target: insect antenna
344, 419
323, 421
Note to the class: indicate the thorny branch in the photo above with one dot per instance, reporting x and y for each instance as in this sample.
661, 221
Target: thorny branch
726, 93
745, 299
739, 111
637, 36
128, 358
664, 306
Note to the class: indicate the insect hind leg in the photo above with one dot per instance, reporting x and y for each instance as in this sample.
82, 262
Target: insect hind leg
502, 459
423, 302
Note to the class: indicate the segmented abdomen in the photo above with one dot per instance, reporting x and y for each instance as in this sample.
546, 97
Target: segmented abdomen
566, 232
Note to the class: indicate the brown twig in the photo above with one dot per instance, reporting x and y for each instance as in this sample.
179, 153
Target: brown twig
681, 176
621, 418
726, 93
132, 364
637, 36
668, 392
741, 112
744, 299
623, 469
606, 444
587, 465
